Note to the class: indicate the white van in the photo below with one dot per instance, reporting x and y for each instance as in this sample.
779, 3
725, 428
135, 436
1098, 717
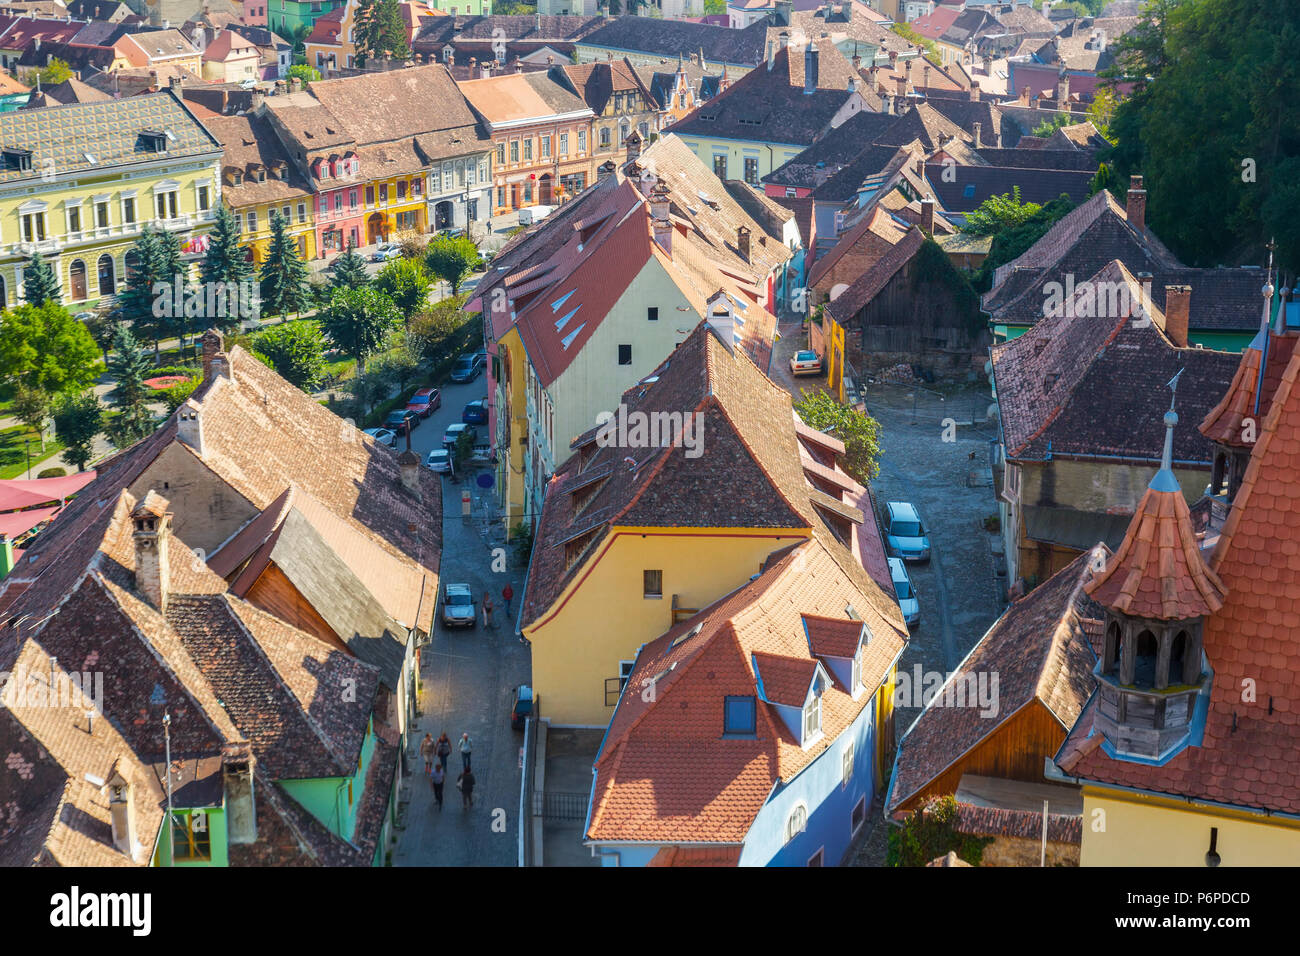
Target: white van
531, 214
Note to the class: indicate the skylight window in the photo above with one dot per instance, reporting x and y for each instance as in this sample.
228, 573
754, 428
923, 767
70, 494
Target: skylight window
693, 632
560, 322
561, 300
568, 339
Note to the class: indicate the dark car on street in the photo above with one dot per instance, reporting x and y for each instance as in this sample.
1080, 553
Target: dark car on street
402, 421
467, 368
475, 413
523, 706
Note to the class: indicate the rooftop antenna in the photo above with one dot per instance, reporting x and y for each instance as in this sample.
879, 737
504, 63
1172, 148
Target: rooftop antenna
1263, 324
171, 835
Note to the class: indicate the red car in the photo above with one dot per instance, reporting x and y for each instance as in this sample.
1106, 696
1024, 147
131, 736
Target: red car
425, 402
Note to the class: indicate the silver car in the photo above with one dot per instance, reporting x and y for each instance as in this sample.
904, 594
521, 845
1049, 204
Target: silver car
458, 606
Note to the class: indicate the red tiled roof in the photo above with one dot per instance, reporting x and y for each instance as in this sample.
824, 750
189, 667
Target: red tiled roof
832, 636
785, 680
665, 772
1226, 421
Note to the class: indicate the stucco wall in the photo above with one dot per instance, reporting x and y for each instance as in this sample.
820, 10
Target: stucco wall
206, 511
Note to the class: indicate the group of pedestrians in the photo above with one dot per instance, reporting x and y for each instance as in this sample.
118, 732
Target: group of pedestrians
507, 593
435, 754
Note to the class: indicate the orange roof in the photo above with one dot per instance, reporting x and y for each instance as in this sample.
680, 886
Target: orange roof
1158, 571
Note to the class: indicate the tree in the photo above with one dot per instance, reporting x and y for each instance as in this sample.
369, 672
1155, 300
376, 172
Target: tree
350, 270
998, 213
77, 420
53, 72
380, 32
102, 329
1101, 112
129, 365
308, 74
31, 406
174, 396
40, 285
1012, 238
45, 348
858, 430
157, 263
452, 259
1217, 143
368, 388
429, 331
226, 262
284, 275
930, 832
908, 33
357, 320
296, 352
1050, 125
406, 283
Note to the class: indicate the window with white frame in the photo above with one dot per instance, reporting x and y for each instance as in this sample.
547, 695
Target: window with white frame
252, 220
796, 822
812, 717
302, 213
582, 141
846, 775
33, 224
564, 144
101, 212
73, 208
203, 195
165, 204
857, 673
128, 209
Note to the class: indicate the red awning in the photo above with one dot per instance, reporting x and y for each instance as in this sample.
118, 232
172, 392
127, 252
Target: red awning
25, 492
15, 523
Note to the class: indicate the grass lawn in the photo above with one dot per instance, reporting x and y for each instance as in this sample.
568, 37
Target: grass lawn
13, 454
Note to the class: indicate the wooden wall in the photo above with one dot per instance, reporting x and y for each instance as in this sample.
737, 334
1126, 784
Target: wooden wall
274, 593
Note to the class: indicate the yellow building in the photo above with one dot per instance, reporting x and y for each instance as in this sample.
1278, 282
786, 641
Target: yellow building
511, 424
80, 182
258, 179
656, 517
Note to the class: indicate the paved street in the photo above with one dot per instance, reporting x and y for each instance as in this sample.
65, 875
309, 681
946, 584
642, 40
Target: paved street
467, 678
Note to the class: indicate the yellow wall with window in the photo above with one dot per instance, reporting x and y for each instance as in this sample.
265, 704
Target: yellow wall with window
85, 226
603, 617
1123, 829
302, 226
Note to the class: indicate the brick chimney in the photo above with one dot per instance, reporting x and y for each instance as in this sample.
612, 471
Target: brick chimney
975, 92
152, 524
189, 426
121, 814
659, 221
212, 344
1063, 91
742, 241
1137, 203
409, 462
1024, 96
927, 216
237, 762
174, 83
976, 129
1178, 310
221, 366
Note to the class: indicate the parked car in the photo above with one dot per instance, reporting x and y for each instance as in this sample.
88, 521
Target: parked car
806, 362
905, 592
402, 421
905, 534
453, 433
385, 252
522, 708
466, 369
383, 435
531, 214
458, 606
425, 402
439, 460
476, 412
84, 316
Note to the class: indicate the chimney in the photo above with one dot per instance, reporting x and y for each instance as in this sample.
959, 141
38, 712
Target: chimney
810, 68
633, 146
152, 522
902, 86
539, 23
886, 102
221, 366
771, 53
1024, 96
975, 92
189, 426
742, 241
927, 216
213, 342
6, 556
255, 100
784, 38
514, 65
920, 167
925, 76
237, 781
783, 8
853, 84
409, 462
856, 60
1063, 91
1101, 41
976, 129
174, 83
121, 814
1137, 203
720, 313
485, 70
662, 225
1178, 307
295, 84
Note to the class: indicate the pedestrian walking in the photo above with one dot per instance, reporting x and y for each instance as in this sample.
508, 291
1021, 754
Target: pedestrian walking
466, 747
426, 751
466, 783
507, 593
487, 610
443, 750
437, 778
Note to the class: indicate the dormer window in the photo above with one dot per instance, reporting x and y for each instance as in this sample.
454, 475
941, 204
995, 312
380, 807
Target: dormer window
237, 177
153, 140
20, 159
261, 174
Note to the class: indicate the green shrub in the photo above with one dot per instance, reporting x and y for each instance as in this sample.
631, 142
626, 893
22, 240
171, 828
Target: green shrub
51, 473
928, 834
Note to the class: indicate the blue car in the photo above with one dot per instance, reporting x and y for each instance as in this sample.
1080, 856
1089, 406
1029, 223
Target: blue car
475, 413
905, 534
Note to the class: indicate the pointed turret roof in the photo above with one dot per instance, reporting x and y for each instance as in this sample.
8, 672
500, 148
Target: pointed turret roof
1158, 571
